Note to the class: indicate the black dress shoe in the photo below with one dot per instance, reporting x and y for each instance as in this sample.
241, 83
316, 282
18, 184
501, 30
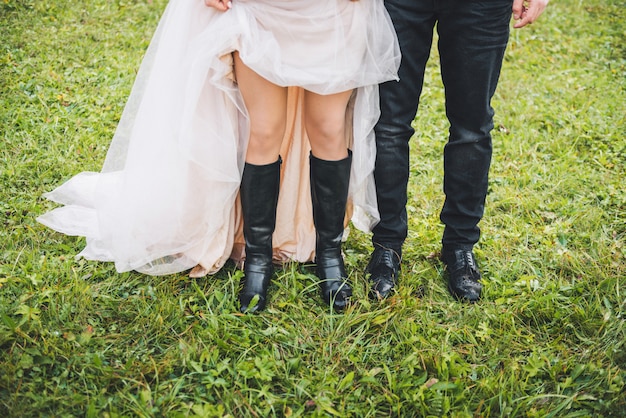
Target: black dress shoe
383, 268
463, 274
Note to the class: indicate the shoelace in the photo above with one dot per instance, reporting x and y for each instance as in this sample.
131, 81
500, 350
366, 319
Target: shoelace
471, 269
385, 258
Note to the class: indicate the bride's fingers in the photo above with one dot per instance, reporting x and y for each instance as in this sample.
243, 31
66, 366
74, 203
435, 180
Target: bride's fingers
221, 5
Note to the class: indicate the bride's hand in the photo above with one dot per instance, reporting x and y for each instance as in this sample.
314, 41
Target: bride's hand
221, 5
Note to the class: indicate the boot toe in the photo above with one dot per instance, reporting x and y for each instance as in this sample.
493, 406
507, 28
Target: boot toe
245, 300
255, 284
337, 293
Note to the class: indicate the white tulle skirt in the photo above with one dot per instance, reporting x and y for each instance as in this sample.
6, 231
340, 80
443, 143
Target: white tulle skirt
166, 199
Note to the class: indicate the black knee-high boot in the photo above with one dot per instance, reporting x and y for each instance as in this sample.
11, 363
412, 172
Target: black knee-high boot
259, 196
329, 194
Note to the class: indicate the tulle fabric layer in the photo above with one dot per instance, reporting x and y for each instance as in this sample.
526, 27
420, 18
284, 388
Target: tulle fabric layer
166, 199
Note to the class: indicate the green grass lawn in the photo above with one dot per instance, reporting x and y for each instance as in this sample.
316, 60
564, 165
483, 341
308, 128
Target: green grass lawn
548, 339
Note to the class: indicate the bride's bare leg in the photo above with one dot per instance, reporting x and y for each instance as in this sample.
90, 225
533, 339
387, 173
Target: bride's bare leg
267, 107
325, 124
330, 178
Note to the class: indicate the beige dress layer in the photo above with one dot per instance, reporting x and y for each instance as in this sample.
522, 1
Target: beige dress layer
166, 199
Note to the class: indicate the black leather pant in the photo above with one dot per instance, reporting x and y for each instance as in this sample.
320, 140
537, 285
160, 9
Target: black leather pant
472, 39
